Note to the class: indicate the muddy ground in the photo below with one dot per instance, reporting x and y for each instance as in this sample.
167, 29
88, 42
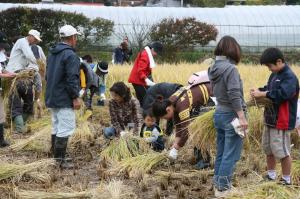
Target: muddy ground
178, 180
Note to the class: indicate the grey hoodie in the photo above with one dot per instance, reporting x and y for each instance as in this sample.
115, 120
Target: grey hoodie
227, 85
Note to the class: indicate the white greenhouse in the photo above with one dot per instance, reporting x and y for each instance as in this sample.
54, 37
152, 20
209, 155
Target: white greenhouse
254, 27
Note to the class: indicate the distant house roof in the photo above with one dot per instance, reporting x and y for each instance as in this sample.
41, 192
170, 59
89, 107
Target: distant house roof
86, 4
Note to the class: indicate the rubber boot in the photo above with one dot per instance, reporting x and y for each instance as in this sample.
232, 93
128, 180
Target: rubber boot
26, 117
53, 137
60, 153
201, 162
19, 124
3, 142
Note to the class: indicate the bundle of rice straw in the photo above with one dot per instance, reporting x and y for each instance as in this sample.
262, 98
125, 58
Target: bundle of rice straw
202, 132
125, 147
82, 138
40, 177
42, 67
114, 189
266, 190
142, 163
259, 102
26, 76
13, 170
39, 142
296, 172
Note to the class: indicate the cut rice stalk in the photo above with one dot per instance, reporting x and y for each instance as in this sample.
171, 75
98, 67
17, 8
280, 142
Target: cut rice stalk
13, 170
143, 163
39, 142
82, 138
202, 132
259, 102
269, 190
36, 125
125, 147
23, 194
42, 177
296, 172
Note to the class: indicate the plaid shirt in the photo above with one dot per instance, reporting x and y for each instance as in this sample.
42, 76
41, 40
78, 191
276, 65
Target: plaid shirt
124, 114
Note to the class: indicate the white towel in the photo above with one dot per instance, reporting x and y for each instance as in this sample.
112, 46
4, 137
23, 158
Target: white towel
152, 63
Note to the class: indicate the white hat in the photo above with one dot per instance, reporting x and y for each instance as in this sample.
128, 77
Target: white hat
36, 34
68, 30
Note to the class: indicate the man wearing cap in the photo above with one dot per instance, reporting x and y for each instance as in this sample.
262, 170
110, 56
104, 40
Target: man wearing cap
3, 74
141, 73
62, 91
22, 58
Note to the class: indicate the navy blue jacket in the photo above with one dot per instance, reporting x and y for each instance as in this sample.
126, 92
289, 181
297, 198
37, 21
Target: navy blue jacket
283, 90
118, 56
62, 76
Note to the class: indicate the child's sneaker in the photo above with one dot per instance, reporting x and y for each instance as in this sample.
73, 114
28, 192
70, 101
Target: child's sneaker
284, 182
267, 178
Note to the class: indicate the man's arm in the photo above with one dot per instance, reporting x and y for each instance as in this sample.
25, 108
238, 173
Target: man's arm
26, 49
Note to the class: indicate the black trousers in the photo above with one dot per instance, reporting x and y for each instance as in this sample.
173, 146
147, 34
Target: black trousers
21, 101
140, 92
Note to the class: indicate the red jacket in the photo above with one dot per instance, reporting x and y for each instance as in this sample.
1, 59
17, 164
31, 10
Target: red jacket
141, 69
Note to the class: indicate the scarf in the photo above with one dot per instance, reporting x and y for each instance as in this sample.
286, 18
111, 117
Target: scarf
152, 63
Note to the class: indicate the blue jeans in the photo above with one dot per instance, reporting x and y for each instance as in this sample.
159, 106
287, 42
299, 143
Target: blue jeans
229, 147
102, 89
109, 132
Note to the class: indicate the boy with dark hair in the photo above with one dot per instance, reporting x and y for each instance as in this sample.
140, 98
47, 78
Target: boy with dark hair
280, 118
151, 132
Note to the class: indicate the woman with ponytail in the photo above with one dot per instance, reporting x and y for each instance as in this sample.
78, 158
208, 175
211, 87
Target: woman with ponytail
124, 112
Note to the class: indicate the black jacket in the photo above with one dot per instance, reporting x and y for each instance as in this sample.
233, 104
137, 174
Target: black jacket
161, 89
283, 90
62, 76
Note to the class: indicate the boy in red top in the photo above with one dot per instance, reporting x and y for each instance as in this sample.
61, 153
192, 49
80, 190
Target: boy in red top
141, 73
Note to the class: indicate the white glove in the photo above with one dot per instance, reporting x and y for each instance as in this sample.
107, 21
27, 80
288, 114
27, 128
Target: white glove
81, 92
123, 133
173, 153
149, 82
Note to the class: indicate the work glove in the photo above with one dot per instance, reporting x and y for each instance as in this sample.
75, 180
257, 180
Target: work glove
81, 93
123, 133
149, 82
173, 154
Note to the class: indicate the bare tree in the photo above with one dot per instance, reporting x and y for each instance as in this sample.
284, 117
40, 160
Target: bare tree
137, 32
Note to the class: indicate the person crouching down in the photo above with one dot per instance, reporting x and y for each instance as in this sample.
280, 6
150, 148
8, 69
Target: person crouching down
151, 132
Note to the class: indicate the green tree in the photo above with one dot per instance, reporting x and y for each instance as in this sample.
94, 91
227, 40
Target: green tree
179, 34
208, 3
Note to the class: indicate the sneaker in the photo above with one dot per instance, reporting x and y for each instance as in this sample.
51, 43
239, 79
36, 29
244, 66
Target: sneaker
222, 194
267, 178
284, 182
100, 103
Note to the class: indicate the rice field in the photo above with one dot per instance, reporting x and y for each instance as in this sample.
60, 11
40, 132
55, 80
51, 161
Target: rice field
127, 168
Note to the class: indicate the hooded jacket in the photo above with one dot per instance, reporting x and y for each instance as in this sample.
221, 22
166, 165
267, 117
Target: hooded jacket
161, 89
283, 90
62, 76
227, 85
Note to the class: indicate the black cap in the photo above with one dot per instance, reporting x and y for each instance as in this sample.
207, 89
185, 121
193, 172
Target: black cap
157, 47
102, 67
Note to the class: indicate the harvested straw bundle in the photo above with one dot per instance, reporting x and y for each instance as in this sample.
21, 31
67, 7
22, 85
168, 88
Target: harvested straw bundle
259, 102
202, 132
296, 172
114, 189
23, 194
83, 137
142, 163
26, 76
39, 142
12, 170
42, 177
36, 125
42, 67
125, 147
266, 190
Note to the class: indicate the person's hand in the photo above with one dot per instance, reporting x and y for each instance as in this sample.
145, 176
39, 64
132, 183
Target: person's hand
243, 123
76, 103
149, 82
81, 93
173, 154
255, 93
123, 133
10, 75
